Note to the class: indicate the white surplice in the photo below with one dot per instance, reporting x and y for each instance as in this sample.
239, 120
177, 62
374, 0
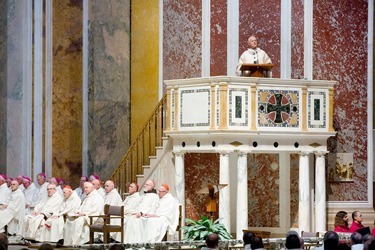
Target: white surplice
77, 228
131, 203
134, 228
45, 209
167, 220
15, 212
147, 204
40, 193
113, 198
81, 194
29, 193
253, 56
53, 229
4, 193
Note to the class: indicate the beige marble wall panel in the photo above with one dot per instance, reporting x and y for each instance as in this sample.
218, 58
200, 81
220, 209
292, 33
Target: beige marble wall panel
67, 90
109, 84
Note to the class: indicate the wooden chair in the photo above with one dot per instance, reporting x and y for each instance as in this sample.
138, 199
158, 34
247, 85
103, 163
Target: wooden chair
309, 234
179, 226
110, 212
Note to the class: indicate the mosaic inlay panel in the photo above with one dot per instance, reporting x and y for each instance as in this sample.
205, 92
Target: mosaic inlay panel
238, 106
193, 100
217, 105
278, 108
172, 108
317, 109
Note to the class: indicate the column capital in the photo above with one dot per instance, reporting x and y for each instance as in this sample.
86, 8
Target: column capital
304, 153
224, 153
179, 153
321, 153
241, 153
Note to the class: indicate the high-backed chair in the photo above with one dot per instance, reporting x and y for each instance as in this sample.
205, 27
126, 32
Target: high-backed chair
311, 235
110, 213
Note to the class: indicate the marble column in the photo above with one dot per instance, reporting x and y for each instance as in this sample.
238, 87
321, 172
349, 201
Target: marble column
224, 195
180, 180
284, 189
242, 207
304, 193
320, 192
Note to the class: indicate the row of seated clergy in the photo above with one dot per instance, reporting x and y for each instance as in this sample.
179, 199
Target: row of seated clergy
46, 223
53, 227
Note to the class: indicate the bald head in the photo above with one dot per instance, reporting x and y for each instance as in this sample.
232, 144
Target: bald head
149, 185
14, 185
163, 190
109, 186
97, 184
88, 187
67, 192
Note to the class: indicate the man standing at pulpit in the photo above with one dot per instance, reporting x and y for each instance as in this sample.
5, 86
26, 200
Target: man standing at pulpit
253, 55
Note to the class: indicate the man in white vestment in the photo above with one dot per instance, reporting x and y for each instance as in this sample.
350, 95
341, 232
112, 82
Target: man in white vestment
41, 212
79, 190
41, 190
149, 199
53, 228
77, 224
165, 217
113, 198
4, 190
29, 191
13, 212
253, 55
134, 225
98, 186
55, 180
19, 178
132, 200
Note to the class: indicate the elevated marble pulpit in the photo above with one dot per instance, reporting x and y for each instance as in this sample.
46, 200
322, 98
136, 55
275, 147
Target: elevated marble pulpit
237, 116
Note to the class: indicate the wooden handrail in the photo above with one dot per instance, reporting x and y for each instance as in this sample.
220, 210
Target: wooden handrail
144, 146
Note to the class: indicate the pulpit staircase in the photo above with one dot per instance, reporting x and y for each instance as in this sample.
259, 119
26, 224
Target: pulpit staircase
145, 152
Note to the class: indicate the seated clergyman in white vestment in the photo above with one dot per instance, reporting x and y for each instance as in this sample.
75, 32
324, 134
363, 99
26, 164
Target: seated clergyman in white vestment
132, 200
77, 231
134, 225
13, 212
4, 190
41, 212
53, 228
98, 186
79, 190
165, 218
29, 191
113, 198
41, 191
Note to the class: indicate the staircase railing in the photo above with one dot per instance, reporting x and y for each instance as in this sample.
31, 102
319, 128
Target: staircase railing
144, 146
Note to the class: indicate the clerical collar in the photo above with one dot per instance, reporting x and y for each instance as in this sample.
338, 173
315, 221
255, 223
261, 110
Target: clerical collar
150, 191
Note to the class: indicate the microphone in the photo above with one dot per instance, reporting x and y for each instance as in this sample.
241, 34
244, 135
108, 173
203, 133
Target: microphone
255, 56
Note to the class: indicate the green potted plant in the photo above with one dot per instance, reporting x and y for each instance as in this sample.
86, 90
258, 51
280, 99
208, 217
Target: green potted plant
200, 229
